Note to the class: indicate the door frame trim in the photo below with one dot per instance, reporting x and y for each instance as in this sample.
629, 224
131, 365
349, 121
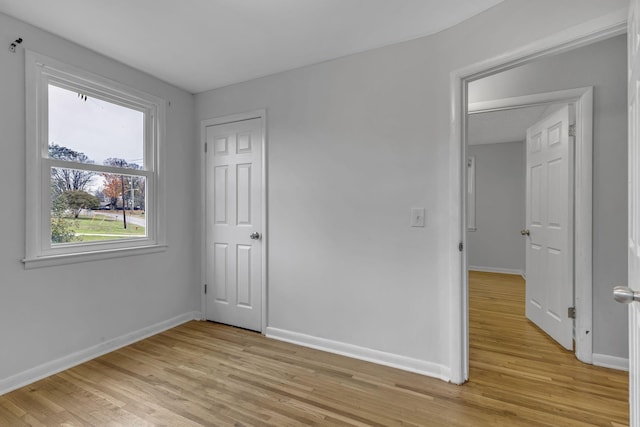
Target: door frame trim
582, 242
256, 114
602, 28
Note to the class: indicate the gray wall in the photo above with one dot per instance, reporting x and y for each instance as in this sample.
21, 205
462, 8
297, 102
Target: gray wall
50, 313
353, 145
500, 201
603, 66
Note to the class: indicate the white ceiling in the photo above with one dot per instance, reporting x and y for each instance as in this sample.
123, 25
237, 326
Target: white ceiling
205, 44
503, 126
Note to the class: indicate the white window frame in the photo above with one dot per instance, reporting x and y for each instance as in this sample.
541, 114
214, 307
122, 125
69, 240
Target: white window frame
40, 71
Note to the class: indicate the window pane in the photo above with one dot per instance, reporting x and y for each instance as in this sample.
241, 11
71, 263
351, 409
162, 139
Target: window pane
89, 130
94, 211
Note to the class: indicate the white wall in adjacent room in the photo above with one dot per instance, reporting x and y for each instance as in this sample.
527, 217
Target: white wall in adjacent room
496, 244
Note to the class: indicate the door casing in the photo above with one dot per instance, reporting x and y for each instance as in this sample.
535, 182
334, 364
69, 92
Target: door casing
590, 32
257, 114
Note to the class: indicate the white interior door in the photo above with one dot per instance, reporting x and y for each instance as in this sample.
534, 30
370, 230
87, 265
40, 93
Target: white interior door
549, 232
234, 223
634, 215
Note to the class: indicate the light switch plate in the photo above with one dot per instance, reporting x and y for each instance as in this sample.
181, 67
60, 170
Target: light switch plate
417, 217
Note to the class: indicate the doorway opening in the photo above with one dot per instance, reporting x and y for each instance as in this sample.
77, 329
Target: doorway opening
523, 155
583, 172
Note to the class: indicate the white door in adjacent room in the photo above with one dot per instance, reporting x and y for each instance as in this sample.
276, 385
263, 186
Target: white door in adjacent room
549, 230
234, 223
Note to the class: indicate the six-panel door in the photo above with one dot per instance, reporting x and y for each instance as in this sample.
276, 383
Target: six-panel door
233, 215
549, 219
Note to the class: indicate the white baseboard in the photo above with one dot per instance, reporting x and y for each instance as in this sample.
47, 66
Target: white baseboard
496, 270
363, 353
613, 362
53, 367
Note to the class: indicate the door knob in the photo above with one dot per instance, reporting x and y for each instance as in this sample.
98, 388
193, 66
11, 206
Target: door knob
254, 236
625, 295
525, 232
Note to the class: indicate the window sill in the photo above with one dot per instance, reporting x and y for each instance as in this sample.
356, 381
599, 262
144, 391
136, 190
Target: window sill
62, 259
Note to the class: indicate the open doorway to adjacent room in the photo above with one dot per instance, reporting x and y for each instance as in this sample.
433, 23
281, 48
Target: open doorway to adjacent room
583, 194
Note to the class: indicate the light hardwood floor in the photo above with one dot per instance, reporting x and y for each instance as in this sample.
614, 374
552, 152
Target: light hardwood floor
203, 373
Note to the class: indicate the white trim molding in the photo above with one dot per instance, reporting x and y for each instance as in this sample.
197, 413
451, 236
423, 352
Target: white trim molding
604, 27
546, 98
404, 363
496, 270
612, 362
53, 367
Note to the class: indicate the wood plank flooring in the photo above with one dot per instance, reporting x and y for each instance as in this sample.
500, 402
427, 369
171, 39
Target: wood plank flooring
205, 374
